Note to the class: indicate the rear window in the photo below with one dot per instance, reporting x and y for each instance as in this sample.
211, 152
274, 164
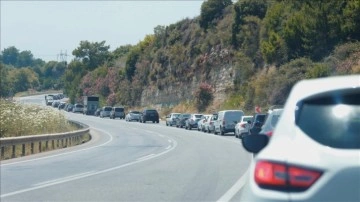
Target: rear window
233, 116
198, 116
151, 112
107, 109
246, 119
119, 109
186, 115
260, 118
135, 112
334, 122
79, 106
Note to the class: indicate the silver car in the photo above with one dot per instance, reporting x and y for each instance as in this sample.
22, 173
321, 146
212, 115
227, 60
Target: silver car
132, 116
314, 152
105, 111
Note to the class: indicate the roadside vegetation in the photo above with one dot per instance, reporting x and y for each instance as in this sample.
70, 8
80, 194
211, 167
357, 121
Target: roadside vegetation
20, 120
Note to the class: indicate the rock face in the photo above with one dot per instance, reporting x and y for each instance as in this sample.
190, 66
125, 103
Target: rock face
220, 78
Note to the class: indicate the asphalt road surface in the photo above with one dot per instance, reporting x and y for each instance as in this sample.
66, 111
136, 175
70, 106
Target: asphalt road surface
129, 161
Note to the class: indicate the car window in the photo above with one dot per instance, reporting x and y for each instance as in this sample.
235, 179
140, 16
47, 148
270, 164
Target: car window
332, 124
119, 109
233, 116
275, 119
246, 119
198, 116
107, 109
135, 112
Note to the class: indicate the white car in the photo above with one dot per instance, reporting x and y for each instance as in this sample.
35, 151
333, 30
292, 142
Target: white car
132, 116
314, 151
201, 123
242, 127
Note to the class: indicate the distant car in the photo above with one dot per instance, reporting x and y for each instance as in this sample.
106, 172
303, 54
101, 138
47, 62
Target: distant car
209, 126
226, 121
69, 107
117, 112
314, 152
78, 108
180, 121
242, 128
55, 103
270, 122
105, 111
62, 105
256, 123
97, 112
202, 121
132, 116
171, 119
192, 122
149, 115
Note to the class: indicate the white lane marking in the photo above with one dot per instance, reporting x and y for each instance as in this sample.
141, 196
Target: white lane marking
145, 157
168, 147
235, 188
169, 141
64, 179
65, 153
90, 174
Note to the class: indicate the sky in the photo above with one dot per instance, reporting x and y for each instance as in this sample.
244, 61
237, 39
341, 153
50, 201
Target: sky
51, 28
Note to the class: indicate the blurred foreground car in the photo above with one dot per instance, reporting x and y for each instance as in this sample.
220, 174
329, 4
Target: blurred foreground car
314, 153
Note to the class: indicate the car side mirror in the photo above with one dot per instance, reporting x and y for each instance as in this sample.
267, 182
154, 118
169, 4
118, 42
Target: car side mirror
254, 143
249, 122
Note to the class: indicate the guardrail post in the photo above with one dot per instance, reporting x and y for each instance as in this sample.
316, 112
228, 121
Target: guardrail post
46, 145
2, 152
32, 148
13, 151
23, 150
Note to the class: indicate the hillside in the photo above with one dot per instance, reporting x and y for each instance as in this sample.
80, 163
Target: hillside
247, 53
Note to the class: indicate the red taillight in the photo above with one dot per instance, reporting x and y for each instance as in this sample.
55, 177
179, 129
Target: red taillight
280, 176
243, 125
269, 133
223, 122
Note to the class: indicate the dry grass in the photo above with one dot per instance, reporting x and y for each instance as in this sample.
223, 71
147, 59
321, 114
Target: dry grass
19, 120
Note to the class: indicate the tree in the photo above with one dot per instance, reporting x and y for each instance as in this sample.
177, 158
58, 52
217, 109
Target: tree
25, 59
203, 96
10, 55
212, 10
92, 55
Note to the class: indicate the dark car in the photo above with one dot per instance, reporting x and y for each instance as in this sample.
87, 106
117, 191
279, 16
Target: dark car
256, 123
180, 121
149, 115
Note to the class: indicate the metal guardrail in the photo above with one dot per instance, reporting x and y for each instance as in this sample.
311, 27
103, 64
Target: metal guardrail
25, 145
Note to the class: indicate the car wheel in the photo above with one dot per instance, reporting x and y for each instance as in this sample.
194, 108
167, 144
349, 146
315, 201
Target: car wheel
221, 132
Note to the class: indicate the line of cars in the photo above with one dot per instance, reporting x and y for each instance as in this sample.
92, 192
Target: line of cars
227, 121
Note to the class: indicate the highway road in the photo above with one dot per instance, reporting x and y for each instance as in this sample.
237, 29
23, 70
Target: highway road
129, 161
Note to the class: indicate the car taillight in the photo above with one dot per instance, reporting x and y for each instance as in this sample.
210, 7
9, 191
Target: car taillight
243, 125
223, 122
269, 133
283, 177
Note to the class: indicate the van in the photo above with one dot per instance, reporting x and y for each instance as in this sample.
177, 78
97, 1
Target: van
117, 112
227, 120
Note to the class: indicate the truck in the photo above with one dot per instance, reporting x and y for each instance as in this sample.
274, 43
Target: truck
91, 104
